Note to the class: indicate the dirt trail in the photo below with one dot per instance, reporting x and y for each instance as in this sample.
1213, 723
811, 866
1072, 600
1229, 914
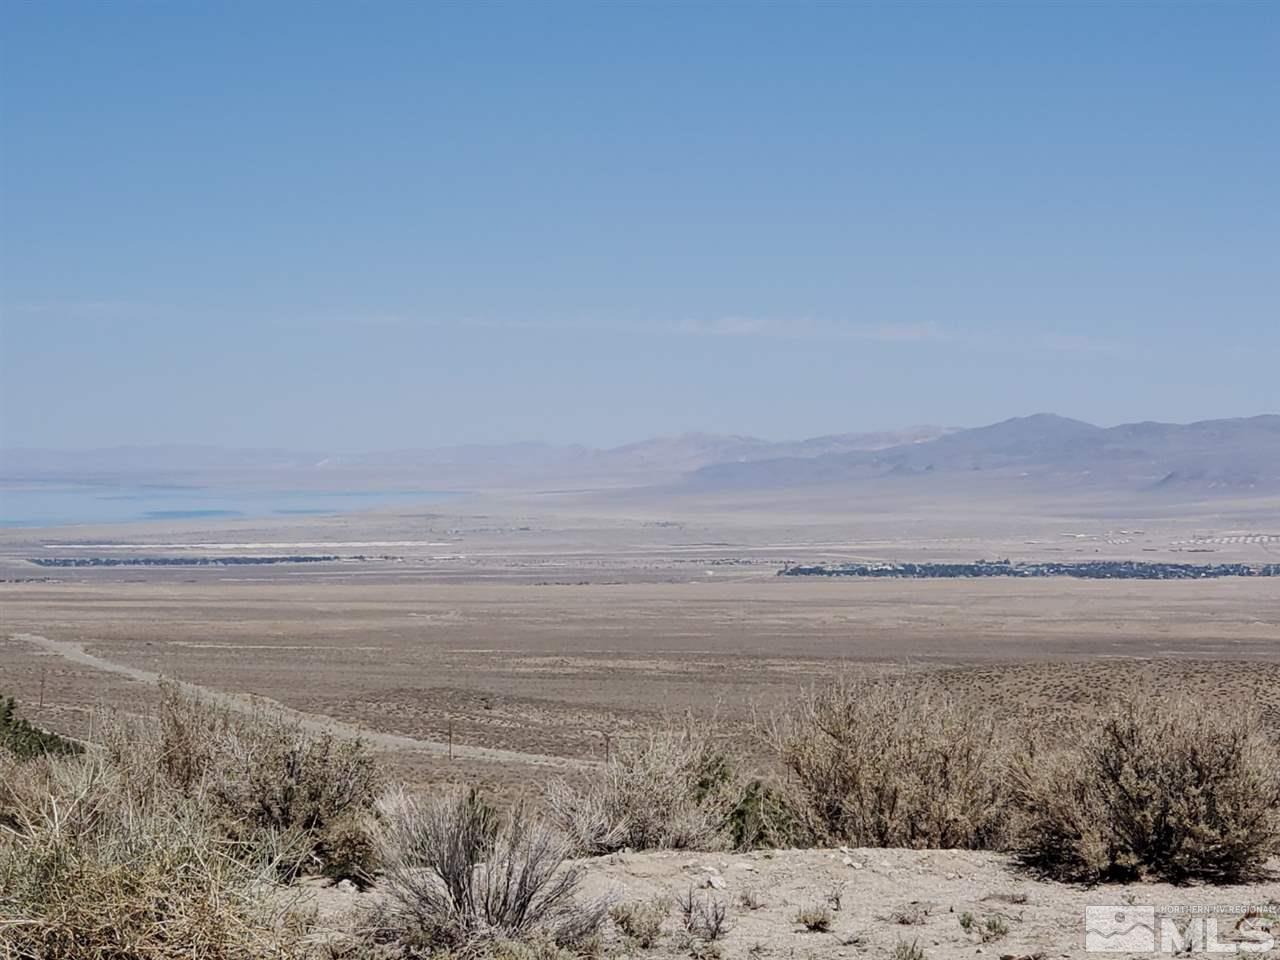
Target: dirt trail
245, 703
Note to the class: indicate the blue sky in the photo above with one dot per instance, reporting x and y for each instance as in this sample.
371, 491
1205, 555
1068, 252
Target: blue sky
356, 226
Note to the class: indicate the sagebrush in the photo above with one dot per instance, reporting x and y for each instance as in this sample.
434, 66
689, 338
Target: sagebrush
673, 789
1168, 787
459, 875
258, 773
901, 762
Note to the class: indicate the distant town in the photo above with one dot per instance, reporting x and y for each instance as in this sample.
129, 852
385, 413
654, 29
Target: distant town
181, 561
1085, 570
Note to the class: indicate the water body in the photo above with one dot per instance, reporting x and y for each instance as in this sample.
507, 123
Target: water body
63, 505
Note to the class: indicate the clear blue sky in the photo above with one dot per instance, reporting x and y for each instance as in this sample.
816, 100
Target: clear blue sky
351, 226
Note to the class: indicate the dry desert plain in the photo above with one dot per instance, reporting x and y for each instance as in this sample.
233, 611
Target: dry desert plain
535, 632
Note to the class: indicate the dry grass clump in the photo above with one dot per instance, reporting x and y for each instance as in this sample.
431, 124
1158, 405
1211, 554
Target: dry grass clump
641, 923
12, 774
993, 928
90, 870
893, 763
457, 876
672, 790
1177, 789
259, 774
910, 915
816, 917
168, 842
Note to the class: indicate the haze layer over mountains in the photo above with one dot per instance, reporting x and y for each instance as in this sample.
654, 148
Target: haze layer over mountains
1236, 457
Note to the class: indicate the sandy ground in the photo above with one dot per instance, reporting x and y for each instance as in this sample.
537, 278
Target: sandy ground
889, 896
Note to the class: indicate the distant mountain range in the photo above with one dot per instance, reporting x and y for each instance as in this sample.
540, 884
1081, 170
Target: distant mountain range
661, 459
1238, 456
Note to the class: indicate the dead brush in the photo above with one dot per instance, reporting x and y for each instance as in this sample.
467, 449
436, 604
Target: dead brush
704, 916
893, 762
457, 876
704, 950
816, 917
641, 923
913, 914
672, 790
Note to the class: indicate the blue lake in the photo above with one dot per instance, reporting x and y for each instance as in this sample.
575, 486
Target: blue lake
60, 505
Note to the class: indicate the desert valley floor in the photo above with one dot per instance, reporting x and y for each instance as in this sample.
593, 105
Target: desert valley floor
533, 636
506, 643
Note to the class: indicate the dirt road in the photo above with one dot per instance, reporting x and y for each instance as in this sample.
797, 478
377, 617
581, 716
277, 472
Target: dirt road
76, 653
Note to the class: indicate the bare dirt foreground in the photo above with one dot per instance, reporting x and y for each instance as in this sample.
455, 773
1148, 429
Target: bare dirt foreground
886, 897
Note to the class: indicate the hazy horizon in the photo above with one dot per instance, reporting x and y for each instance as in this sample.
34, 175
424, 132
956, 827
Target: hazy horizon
323, 227
797, 437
